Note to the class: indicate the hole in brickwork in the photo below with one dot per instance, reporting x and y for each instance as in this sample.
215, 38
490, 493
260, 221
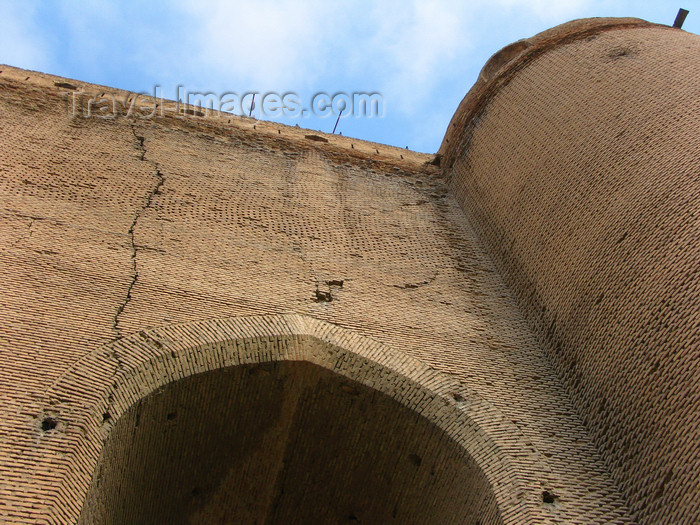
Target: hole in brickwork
193, 112
349, 389
296, 444
65, 85
622, 51
436, 160
548, 497
323, 296
316, 138
48, 423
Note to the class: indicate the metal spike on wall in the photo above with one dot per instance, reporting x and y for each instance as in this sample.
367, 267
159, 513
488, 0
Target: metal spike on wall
680, 18
337, 120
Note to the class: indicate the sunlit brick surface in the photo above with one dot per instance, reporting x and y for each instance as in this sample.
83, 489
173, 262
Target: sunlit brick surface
143, 259
579, 166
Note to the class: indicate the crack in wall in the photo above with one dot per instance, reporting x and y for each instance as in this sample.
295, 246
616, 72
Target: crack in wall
26, 235
411, 286
140, 140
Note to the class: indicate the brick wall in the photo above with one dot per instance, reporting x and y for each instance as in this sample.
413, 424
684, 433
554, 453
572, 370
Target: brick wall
111, 228
577, 163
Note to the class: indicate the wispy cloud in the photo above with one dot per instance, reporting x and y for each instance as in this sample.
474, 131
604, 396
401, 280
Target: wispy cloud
552, 11
20, 40
274, 45
422, 55
413, 45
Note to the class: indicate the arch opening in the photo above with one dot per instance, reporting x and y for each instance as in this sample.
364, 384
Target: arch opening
282, 442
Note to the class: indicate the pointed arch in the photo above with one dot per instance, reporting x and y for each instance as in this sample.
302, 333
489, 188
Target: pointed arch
89, 400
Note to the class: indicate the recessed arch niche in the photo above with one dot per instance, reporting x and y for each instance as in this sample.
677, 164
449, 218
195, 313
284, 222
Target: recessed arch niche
278, 419
281, 442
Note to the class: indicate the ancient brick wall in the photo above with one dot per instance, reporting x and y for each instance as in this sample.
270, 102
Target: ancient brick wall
139, 252
576, 158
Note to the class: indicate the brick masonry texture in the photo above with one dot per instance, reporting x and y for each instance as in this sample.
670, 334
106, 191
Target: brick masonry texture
332, 301
576, 159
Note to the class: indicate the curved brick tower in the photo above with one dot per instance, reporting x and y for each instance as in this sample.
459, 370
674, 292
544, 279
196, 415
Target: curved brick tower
219, 320
576, 158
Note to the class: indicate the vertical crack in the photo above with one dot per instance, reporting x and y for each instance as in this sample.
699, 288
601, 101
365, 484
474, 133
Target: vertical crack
155, 190
25, 236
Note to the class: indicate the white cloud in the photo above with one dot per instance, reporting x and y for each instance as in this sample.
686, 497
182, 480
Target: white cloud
422, 55
20, 42
414, 48
271, 44
404, 48
552, 11
412, 51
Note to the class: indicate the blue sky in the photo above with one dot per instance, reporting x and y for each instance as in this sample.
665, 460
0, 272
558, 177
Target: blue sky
422, 56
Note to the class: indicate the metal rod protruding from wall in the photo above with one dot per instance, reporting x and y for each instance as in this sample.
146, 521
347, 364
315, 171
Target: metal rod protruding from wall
680, 18
336, 121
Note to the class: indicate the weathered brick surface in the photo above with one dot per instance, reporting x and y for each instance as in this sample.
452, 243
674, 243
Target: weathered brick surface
136, 253
256, 427
576, 158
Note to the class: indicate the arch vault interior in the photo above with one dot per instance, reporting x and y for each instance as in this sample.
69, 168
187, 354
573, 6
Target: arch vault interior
281, 442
